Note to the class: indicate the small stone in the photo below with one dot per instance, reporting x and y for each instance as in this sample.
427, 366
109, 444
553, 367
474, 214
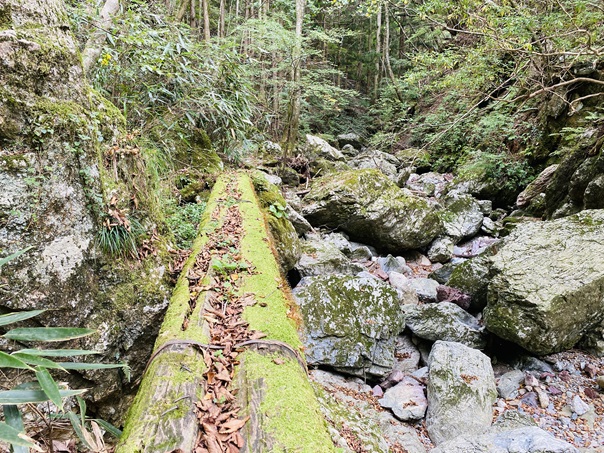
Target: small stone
530, 380
590, 370
406, 399
530, 399
554, 390
543, 398
377, 391
591, 393
600, 381
507, 385
579, 406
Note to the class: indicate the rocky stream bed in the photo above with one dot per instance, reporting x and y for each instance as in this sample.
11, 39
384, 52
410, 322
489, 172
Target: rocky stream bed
435, 322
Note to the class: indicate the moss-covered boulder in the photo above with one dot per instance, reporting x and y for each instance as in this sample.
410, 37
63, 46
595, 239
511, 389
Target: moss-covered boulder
372, 209
472, 277
320, 257
461, 391
462, 217
547, 283
350, 323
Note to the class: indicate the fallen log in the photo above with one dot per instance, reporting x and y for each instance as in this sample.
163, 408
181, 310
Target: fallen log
276, 404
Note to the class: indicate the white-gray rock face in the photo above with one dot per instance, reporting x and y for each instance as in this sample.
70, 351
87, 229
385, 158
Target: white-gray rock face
350, 323
323, 149
406, 399
547, 283
518, 440
441, 250
509, 383
463, 216
426, 288
384, 162
461, 392
445, 321
321, 258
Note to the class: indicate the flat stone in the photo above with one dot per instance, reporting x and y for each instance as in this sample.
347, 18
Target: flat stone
509, 383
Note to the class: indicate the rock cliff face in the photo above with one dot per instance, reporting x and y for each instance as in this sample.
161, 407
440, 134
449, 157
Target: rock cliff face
52, 128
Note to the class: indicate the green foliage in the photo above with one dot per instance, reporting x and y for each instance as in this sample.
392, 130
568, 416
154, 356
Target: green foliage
497, 168
278, 210
121, 239
183, 221
158, 73
44, 387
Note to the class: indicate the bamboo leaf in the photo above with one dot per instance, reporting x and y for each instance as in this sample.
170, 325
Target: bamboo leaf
13, 418
109, 428
8, 258
32, 396
57, 352
15, 437
11, 318
50, 387
77, 427
10, 361
36, 360
90, 366
47, 333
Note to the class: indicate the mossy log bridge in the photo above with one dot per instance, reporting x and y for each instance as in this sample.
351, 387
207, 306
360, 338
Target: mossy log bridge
270, 378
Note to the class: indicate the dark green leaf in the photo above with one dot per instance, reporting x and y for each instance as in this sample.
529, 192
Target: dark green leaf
77, 427
57, 352
90, 366
35, 360
109, 427
32, 396
9, 361
47, 333
11, 318
12, 436
50, 387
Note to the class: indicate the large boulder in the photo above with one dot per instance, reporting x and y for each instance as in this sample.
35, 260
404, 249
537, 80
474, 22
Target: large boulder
372, 209
461, 391
547, 283
323, 149
384, 162
321, 257
350, 323
463, 216
445, 321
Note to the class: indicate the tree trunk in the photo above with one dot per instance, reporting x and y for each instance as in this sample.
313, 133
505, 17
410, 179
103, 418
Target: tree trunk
206, 21
184, 6
221, 20
94, 45
293, 112
387, 54
378, 50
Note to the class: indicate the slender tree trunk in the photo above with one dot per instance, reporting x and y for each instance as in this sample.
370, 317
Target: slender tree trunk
387, 54
206, 21
184, 6
221, 20
293, 112
378, 50
193, 22
94, 45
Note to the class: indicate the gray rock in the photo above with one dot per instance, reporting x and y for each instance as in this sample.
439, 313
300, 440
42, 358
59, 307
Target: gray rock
350, 323
426, 289
391, 264
579, 406
443, 274
321, 258
430, 184
407, 295
463, 216
445, 321
384, 162
486, 206
351, 139
490, 227
323, 149
361, 253
594, 193
340, 241
406, 355
538, 186
441, 250
406, 399
509, 383
518, 440
372, 209
350, 151
461, 386
299, 223
376, 431
471, 277
547, 286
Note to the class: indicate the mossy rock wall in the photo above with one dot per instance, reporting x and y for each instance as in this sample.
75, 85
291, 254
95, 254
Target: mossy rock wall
52, 189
